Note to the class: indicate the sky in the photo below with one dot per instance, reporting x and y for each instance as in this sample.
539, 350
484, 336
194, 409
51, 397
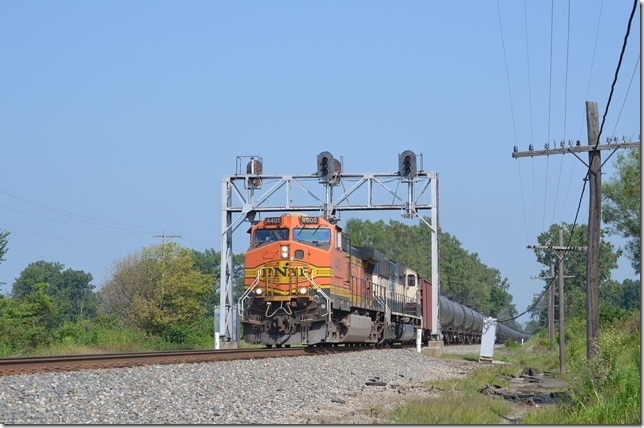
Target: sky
120, 118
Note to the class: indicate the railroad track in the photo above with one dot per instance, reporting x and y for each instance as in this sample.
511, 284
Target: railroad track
54, 363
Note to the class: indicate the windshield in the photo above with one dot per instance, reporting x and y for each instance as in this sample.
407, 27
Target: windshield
270, 235
312, 234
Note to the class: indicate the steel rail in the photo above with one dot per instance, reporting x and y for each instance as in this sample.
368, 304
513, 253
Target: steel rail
54, 363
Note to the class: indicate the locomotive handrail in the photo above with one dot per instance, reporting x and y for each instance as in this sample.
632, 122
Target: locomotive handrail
286, 310
319, 290
243, 297
383, 303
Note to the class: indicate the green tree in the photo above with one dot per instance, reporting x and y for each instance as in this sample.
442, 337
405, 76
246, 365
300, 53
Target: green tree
78, 293
72, 289
631, 296
621, 203
35, 273
575, 266
209, 262
157, 289
29, 322
464, 278
3, 247
3, 244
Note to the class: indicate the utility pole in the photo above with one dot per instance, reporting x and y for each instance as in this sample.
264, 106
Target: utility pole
551, 304
560, 252
594, 214
164, 236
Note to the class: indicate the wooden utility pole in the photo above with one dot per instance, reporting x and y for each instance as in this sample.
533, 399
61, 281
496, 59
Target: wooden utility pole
594, 225
560, 251
594, 214
551, 302
164, 236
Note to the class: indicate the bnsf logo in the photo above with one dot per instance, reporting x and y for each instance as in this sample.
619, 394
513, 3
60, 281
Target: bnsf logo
285, 271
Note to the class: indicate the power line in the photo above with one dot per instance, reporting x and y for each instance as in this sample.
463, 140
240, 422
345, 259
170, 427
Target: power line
78, 217
626, 96
619, 65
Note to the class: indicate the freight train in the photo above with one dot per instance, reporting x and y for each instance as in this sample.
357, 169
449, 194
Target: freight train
304, 283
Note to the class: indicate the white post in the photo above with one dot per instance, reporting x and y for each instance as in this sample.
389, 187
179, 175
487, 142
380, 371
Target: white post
419, 340
217, 340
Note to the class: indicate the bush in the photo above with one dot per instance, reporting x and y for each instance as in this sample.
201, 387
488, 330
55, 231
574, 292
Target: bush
607, 390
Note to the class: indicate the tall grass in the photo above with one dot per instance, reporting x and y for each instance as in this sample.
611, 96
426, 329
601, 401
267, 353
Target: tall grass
608, 387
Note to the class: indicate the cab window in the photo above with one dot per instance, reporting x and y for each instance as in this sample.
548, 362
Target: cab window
314, 235
262, 236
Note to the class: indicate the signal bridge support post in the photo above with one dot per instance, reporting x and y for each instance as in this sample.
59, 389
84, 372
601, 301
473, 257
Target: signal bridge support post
594, 215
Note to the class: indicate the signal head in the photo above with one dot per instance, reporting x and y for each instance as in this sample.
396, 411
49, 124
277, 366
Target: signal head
407, 164
325, 166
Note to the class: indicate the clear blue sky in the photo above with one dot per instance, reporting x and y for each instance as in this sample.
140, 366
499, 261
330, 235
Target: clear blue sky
119, 118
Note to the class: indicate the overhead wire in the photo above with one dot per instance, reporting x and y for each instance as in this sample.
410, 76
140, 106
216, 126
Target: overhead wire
630, 21
514, 126
527, 49
554, 208
626, 95
58, 238
79, 217
545, 195
619, 65
64, 222
583, 119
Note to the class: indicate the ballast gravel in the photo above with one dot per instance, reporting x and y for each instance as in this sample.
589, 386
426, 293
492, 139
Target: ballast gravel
264, 391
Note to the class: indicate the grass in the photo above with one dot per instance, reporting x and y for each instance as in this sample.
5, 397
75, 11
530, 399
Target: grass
605, 390
449, 409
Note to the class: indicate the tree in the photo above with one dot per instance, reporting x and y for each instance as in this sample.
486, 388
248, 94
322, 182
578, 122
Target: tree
621, 205
72, 289
3, 244
3, 247
157, 289
29, 322
209, 262
464, 278
78, 292
35, 273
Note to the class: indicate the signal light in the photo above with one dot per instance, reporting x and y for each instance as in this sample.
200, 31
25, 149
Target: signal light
407, 164
325, 166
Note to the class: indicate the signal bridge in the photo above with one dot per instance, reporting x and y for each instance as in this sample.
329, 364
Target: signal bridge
328, 192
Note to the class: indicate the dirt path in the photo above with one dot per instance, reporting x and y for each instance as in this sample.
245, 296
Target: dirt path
530, 390
524, 393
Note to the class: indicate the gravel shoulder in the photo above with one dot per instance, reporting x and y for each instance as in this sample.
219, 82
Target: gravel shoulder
310, 389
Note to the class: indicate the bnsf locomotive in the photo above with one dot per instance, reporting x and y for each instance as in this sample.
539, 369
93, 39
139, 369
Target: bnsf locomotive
305, 284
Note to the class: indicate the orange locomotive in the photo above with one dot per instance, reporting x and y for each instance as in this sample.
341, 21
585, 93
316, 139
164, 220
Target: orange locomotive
305, 284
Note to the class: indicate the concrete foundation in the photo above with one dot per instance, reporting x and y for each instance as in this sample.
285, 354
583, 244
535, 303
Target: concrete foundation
433, 349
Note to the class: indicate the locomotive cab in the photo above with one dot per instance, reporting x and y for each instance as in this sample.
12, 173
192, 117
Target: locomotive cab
288, 279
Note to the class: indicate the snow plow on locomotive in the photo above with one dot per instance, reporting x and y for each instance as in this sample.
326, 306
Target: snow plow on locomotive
305, 284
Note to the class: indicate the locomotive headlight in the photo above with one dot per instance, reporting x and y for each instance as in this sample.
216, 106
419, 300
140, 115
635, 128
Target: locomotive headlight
259, 291
303, 290
284, 249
